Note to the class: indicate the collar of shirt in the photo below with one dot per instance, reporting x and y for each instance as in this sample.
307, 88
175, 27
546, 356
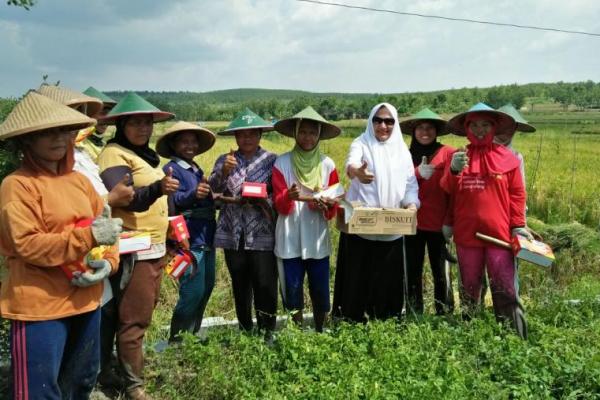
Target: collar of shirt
184, 164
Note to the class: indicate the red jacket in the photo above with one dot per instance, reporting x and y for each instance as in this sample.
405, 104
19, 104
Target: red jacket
434, 199
492, 205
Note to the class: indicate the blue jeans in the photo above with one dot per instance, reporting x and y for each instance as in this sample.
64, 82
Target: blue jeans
55, 359
318, 283
195, 287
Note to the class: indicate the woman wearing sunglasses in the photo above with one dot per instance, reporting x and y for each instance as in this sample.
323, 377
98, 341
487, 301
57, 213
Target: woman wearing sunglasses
369, 279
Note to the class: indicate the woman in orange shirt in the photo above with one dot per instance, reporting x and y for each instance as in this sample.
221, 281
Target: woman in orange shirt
50, 219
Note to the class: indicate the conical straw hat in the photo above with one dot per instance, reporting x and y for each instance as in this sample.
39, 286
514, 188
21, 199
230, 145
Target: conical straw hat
425, 115
287, 126
134, 104
36, 112
108, 101
71, 98
522, 124
206, 139
246, 119
506, 123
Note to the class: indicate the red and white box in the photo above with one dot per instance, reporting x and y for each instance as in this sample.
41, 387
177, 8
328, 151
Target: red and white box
180, 262
178, 230
253, 189
534, 251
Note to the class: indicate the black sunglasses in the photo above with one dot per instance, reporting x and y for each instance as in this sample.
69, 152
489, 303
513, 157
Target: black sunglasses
387, 121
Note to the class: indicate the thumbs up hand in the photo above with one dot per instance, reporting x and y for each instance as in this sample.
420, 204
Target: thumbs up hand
168, 184
294, 192
363, 174
229, 164
203, 189
122, 193
459, 161
425, 169
105, 229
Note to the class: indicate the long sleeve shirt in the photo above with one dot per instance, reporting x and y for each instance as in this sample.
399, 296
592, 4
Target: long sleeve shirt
302, 229
148, 211
491, 205
246, 225
37, 216
434, 199
199, 214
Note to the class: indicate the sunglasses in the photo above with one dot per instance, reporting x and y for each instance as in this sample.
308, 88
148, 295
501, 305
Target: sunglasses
387, 121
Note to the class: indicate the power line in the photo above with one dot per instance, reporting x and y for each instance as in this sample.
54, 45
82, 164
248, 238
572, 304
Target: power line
474, 21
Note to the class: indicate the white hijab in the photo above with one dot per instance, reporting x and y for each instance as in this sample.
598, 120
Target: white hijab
389, 161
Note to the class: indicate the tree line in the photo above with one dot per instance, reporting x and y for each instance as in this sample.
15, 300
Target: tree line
275, 104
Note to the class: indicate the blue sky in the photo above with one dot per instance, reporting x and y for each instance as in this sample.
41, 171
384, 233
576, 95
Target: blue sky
208, 45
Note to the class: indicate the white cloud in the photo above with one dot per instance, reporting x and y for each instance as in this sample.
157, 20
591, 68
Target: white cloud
200, 46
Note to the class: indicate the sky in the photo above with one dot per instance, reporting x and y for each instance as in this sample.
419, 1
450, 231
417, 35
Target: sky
195, 45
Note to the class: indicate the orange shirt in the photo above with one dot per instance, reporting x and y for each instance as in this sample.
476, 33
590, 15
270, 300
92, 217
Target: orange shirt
37, 235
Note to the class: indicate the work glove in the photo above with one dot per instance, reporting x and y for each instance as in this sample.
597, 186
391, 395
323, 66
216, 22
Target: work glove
105, 229
459, 161
522, 232
425, 169
448, 232
101, 270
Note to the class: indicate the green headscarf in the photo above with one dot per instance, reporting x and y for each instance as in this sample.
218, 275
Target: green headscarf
307, 164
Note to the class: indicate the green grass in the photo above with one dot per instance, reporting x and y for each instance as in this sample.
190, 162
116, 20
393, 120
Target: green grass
430, 357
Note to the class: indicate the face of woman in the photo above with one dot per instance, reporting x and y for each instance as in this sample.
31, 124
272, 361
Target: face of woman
425, 133
480, 127
138, 129
308, 135
248, 140
185, 145
383, 124
50, 146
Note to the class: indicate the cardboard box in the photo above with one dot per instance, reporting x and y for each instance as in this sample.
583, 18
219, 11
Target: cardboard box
178, 230
178, 264
378, 221
132, 241
535, 252
255, 190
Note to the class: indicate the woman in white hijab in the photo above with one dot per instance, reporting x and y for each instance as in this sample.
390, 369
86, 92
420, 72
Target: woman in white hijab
369, 281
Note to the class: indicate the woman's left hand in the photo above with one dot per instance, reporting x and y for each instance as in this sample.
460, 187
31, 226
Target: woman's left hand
412, 207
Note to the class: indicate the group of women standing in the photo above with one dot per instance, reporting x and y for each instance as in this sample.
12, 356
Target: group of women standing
283, 235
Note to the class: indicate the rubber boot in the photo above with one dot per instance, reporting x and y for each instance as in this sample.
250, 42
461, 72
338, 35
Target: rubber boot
319, 318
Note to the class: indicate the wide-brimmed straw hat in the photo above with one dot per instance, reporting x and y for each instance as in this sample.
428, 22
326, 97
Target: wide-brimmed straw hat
246, 119
287, 126
134, 104
106, 100
87, 104
425, 115
505, 123
36, 113
522, 124
206, 139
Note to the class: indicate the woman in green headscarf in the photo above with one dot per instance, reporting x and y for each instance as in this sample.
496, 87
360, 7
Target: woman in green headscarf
302, 234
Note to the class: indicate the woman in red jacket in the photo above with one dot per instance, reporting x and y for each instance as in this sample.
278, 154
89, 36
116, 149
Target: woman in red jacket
430, 159
488, 197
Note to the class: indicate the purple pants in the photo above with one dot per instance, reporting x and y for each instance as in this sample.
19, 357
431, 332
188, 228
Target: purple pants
501, 272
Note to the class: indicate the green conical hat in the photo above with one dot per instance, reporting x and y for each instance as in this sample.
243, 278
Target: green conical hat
206, 139
134, 104
425, 115
108, 101
506, 123
287, 126
522, 124
36, 113
71, 98
246, 119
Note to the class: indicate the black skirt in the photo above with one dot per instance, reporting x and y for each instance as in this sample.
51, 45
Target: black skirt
369, 279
